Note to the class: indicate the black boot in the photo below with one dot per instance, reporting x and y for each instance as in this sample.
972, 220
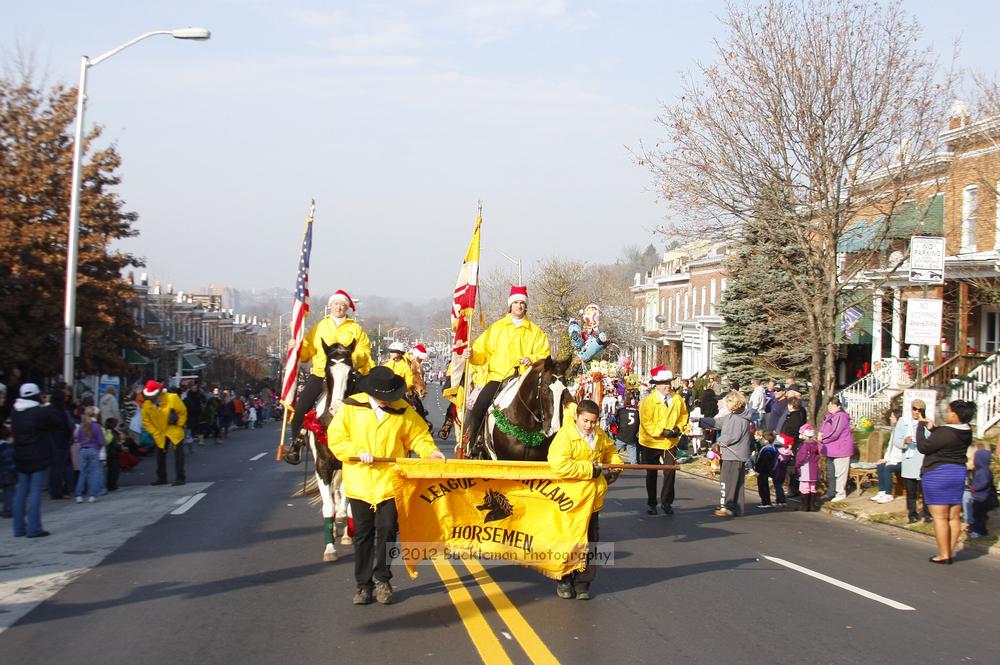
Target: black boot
293, 455
813, 503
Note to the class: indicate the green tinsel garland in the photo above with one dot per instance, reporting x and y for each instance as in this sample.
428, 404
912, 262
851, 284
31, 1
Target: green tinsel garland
530, 439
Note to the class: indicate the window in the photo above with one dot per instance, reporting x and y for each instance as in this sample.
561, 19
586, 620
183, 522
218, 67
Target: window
991, 330
970, 206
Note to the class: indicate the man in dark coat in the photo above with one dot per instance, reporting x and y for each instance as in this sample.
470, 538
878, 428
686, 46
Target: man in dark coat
33, 426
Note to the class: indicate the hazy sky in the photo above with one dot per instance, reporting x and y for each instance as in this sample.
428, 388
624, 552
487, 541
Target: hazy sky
397, 117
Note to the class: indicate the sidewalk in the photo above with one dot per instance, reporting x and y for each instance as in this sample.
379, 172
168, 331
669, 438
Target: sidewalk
34, 569
859, 507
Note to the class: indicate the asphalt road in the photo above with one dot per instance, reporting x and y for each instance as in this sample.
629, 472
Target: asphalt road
237, 577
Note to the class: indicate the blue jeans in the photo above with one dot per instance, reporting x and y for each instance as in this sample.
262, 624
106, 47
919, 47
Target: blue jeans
29, 491
90, 472
967, 507
886, 474
627, 451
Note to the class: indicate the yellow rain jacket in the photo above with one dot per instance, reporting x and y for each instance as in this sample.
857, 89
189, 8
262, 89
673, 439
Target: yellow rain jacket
326, 330
570, 456
401, 368
655, 416
171, 403
503, 344
154, 420
356, 428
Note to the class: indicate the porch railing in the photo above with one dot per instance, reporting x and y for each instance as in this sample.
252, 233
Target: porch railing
886, 374
982, 386
873, 408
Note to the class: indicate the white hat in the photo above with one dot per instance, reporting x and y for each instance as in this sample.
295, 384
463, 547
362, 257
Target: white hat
397, 347
30, 390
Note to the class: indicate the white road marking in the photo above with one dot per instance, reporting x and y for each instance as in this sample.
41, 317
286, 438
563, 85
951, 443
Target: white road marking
257, 457
843, 585
189, 504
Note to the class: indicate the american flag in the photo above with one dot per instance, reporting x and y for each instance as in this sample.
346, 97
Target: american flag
300, 310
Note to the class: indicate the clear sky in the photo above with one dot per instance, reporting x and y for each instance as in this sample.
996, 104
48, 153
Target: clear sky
397, 117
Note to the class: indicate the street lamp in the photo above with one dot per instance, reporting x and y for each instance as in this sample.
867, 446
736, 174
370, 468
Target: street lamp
72, 246
516, 262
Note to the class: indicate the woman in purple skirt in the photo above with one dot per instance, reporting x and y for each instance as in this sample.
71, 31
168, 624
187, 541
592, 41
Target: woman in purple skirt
943, 474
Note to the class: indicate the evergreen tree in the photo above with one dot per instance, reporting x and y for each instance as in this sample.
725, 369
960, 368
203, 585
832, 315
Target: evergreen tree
36, 144
764, 331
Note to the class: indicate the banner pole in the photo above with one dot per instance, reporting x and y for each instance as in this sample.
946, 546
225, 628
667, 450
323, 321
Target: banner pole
281, 442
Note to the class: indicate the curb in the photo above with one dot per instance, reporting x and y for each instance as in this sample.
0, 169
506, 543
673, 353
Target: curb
861, 518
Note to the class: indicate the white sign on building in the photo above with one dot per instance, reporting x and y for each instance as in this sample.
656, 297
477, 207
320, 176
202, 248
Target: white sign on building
923, 321
926, 260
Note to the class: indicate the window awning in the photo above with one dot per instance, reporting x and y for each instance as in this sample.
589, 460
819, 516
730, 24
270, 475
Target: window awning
135, 358
910, 219
860, 236
191, 363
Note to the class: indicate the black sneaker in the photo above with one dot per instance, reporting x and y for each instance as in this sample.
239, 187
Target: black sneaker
912, 519
667, 510
582, 590
158, 482
565, 590
363, 596
651, 510
40, 534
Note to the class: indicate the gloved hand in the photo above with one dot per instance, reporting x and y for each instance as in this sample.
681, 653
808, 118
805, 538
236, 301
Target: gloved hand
670, 433
366, 457
597, 470
611, 475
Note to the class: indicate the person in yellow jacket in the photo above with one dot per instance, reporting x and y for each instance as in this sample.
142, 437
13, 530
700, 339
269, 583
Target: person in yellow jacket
663, 417
376, 422
399, 364
511, 344
579, 450
175, 416
156, 420
336, 328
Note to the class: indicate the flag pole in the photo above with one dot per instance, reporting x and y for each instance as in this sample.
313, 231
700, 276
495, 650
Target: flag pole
288, 408
459, 449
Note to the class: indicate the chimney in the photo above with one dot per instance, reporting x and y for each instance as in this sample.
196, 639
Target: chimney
958, 115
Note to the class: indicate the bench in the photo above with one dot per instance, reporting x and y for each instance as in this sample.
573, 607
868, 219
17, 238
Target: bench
864, 472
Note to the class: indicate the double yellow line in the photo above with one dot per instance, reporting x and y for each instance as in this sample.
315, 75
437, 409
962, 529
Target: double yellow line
483, 638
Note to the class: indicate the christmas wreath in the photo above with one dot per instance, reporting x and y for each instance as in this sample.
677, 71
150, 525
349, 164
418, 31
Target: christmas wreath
529, 439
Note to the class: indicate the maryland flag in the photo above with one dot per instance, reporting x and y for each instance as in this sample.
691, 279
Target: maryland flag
514, 512
463, 303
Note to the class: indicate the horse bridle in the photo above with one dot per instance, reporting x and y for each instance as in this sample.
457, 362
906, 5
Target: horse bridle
539, 418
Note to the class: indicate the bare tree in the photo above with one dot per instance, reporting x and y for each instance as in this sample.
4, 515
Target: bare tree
815, 115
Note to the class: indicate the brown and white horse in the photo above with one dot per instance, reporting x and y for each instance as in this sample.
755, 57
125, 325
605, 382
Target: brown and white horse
531, 403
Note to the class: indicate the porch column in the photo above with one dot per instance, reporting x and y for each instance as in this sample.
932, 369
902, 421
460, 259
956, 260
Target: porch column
897, 322
963, 318
876, 328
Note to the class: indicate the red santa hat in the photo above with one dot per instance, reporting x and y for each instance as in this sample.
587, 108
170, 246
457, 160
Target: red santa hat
419, 351
517, 293
660, 375
341, 296
152, 388
785, 440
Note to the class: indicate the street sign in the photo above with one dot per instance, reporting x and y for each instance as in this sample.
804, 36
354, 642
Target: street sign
926, 260
929, 398
923, 321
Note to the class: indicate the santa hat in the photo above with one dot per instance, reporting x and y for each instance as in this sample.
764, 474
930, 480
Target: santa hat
419, 351
786, 441
517, 293
152, 388
660, 375
341, 296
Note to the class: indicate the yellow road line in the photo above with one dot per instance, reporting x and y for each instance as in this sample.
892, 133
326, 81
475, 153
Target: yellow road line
523, 633
486, 643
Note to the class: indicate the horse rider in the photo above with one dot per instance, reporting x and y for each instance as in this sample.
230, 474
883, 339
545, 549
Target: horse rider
336, 328
663, 417
510, 344
399, 365
580, 450
416, 356
375, 422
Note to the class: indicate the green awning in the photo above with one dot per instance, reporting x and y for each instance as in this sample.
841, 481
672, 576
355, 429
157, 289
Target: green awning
135, 358
860, 236
191, 363
910, 219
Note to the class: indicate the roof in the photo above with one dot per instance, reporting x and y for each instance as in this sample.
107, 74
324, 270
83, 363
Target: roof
908, 219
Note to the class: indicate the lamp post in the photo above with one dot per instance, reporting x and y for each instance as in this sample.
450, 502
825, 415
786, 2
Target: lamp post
516, 262
72, 246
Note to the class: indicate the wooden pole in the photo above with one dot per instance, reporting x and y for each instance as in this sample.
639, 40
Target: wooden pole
281, 442
624, 467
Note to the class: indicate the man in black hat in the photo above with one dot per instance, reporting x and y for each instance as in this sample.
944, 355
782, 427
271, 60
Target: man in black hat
375, 422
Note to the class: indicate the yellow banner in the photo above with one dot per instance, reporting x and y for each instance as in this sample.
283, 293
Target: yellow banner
514, 512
